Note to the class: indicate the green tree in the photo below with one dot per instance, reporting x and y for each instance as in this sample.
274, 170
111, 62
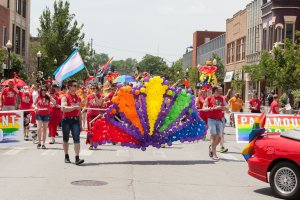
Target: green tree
237, 82
176, 71
280, 68
124, 66
220, 73
154, 65
59, 35
2, 56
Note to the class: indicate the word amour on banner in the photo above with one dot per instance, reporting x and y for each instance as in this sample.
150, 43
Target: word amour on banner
274, 123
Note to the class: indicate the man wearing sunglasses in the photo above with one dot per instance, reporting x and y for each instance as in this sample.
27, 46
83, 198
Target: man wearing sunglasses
71, 120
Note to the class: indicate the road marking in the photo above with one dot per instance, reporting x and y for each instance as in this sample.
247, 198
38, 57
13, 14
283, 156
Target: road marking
159, 154
86, 152
122, 153
49, 152
228, 157
14, 151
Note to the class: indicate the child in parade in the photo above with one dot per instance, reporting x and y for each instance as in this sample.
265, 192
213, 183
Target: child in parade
55, 115
26, 102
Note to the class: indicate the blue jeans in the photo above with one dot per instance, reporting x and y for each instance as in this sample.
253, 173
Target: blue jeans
44, 118
216, 126
73, 125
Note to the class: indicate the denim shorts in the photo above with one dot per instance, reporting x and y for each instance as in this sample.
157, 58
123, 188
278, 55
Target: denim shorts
71, 125
216, 126
44, 118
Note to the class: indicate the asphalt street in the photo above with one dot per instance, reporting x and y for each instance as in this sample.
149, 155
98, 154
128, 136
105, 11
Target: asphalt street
183, 171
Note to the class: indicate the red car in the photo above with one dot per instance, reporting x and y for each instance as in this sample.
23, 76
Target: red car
276, 160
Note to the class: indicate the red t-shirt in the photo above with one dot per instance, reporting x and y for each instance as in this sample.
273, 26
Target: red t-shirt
91, 100
43, 102
273, 106
26, 101
256, 103
9, 96
53, 107
72, 100
212, 103
201, 102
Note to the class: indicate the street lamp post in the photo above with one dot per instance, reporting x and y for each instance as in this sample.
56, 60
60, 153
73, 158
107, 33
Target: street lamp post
8, 47
39, 55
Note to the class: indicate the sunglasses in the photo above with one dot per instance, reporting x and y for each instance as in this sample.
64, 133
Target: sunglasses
43, 90
93, 88
74, 85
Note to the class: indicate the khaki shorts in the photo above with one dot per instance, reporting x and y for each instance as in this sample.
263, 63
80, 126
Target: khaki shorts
7, 108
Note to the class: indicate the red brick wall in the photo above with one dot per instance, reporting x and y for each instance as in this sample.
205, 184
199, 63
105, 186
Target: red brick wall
199, 39
4, 21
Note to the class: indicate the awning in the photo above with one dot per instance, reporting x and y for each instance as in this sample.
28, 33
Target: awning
228, 77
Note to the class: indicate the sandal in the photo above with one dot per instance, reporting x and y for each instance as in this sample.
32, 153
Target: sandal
210, 153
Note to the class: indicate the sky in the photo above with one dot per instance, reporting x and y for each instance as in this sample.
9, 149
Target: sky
131, 28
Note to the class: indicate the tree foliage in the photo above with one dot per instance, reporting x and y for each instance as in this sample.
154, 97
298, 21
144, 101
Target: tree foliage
281, 67
59, 34
124, 66
154, 65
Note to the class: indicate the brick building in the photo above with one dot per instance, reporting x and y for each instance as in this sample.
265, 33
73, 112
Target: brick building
199, 38
280, 20
4, 25
235, 49
16, 14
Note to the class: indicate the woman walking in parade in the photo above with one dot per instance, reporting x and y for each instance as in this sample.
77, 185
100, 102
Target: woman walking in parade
94, 101
55, 115
42, 108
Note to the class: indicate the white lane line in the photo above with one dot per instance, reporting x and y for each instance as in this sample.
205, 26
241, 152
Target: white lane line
122, 153
228, 157
14, 151
86, 152
159, 154
49, 152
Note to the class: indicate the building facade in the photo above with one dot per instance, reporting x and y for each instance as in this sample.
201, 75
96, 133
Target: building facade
280, 20
235, 49
199, 38
207, 50
254, 25
4, 25
18, 28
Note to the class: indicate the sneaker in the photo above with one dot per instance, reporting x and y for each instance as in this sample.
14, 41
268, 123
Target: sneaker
91, 148
39, 146
79, 161
67, 160
43, 146
223, 150
215, 158
57, 134
210, 153
26, 138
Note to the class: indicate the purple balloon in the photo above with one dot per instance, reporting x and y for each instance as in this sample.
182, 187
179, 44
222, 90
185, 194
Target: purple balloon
166, 82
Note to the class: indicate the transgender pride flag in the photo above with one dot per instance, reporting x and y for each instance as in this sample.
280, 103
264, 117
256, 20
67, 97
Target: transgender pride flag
70, 67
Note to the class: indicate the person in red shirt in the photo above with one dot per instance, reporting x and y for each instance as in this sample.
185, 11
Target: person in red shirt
26, 104
71, 122
42, 108
9, 97
94, 101
274, 107
255, 104
201, 98
107, 99
55, 115
215, 104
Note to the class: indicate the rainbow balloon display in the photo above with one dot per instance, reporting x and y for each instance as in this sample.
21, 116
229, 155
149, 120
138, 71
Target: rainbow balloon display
149, 115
